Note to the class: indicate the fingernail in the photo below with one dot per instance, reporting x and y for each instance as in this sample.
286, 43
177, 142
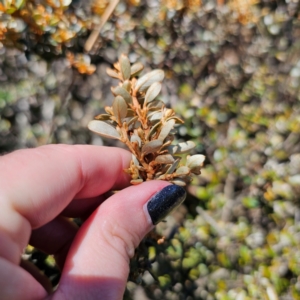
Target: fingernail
161, 204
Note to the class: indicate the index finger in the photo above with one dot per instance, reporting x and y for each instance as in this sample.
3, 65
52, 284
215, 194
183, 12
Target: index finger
39, 183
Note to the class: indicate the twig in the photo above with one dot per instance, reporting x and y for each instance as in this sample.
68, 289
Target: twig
95, 33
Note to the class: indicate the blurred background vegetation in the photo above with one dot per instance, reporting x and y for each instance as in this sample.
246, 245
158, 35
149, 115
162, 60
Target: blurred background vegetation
232, 72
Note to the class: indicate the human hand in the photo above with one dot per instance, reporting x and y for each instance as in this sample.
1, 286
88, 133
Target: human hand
41, 188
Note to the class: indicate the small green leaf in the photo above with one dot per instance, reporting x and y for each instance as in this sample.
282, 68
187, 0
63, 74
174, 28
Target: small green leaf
176, 119
181, 147
136, 68
195, 160
195, 163
103, 129
166, 128
136, 138
125, 66
19, 3
112, 73
155, 105
153, 91
183, 170
165, 159
250, 202
10, 10
131, 121
179, 182
120, 91
155, 116
153, 130
119, 108
152, 147
173, 166
145, 81
126, 85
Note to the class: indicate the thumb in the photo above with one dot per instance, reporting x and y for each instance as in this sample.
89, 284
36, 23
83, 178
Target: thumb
97, 266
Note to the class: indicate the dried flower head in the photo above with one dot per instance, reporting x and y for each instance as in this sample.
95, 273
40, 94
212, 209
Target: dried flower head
146, 126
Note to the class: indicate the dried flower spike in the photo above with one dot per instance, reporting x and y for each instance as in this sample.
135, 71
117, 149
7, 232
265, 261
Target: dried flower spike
146, 126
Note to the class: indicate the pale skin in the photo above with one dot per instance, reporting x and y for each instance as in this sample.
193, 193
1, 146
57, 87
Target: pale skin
39, 190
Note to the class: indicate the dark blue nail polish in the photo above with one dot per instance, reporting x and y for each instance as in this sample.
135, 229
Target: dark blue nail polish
161, 204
